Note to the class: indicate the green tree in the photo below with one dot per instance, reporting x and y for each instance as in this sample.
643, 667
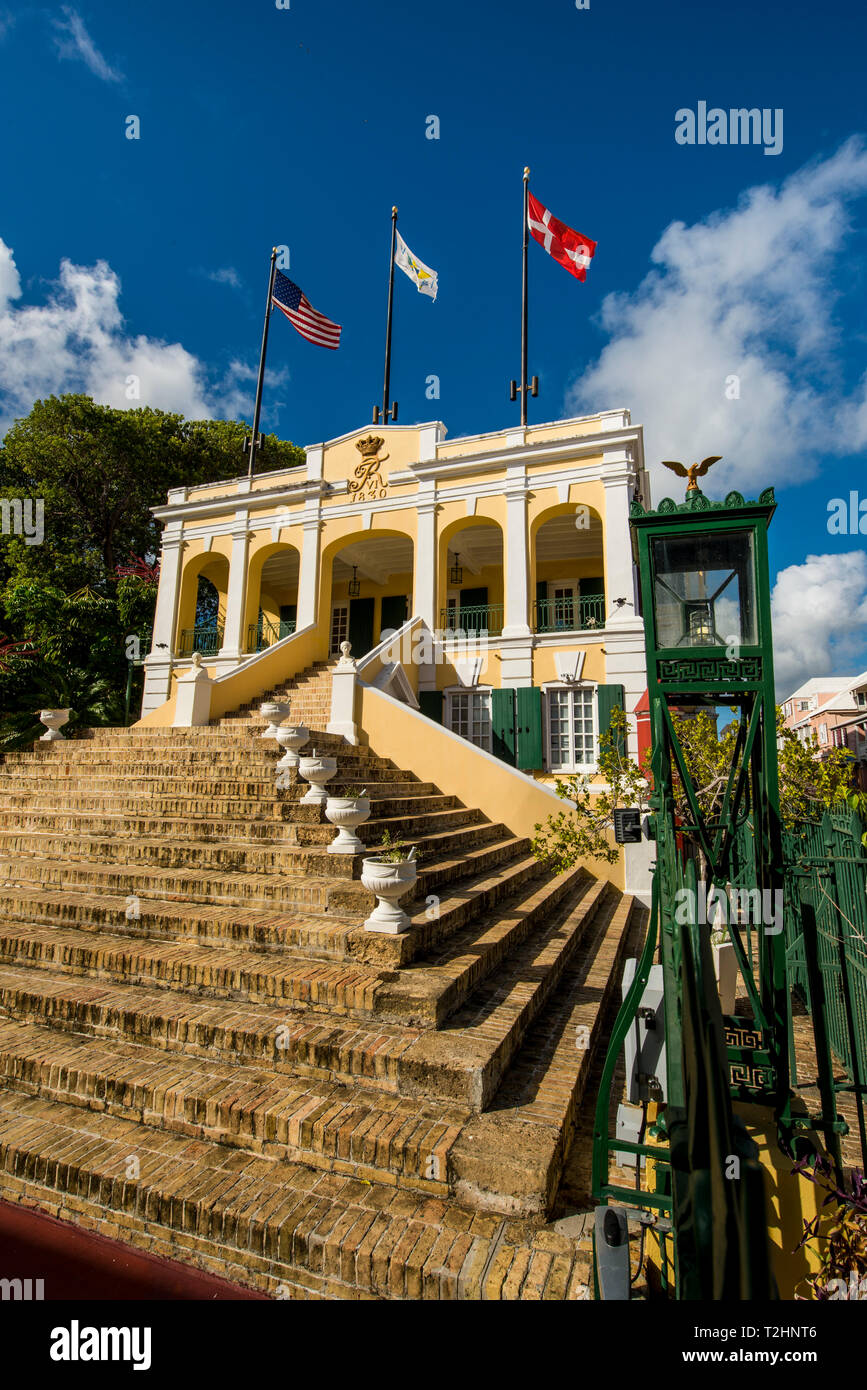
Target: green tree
812, 779
98, 472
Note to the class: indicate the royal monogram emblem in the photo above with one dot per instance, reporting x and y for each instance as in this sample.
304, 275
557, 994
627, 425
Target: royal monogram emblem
368, 481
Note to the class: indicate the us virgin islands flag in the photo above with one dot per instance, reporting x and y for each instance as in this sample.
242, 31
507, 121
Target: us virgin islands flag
418, 272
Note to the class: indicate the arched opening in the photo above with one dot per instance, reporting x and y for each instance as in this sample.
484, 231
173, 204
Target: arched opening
202, 607
568, 571
471, 595
371, 585
272, 596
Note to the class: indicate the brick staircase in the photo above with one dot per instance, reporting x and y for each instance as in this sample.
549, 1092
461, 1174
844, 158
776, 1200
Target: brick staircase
202, 1052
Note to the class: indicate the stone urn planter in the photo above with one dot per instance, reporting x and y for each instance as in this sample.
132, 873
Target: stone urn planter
54, 720
291, 737
317, 771
274, 711
726, 970
389, 881
347, 813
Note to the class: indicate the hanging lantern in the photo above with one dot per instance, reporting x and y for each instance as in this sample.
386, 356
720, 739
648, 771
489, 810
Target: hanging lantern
456, 573
354, 583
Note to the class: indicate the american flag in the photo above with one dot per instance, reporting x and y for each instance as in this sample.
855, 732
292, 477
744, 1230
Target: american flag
313, 326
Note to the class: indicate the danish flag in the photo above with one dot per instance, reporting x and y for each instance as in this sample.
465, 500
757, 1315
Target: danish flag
570, 248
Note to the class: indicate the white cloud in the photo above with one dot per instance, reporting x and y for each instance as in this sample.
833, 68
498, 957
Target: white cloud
748, 292
227, 275
77, 341
73, 41
819, 612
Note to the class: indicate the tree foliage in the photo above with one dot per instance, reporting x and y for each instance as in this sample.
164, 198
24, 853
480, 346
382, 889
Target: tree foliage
98, 471
585, 831
811, 781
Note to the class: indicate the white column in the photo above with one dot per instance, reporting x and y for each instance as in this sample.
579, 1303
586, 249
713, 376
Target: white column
308, 581
515, 564
620, 580
166, 613
158, 664
233, 632
425, 564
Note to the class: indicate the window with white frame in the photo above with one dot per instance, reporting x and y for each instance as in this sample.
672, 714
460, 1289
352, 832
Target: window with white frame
468, 713
823, 733
339, 626
571, 728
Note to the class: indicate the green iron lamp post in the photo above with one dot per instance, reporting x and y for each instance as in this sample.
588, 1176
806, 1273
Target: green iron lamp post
705, 600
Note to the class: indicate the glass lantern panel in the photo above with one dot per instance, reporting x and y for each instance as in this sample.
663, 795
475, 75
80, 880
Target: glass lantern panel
704, 591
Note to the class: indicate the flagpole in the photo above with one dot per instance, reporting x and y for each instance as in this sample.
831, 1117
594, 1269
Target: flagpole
387, 383
254, 442
524, 314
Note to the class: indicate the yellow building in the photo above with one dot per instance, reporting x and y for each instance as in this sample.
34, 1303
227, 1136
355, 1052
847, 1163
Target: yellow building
486, 582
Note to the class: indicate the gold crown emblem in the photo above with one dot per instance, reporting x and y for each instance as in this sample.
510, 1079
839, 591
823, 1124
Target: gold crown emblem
370, 446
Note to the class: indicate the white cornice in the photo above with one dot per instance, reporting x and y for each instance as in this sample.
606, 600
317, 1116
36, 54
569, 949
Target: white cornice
302, 491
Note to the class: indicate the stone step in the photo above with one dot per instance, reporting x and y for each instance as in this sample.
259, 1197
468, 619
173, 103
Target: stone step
426, 993
291, 1042
283, 1227
196, 885
342, 988
377, 780
268, 929
465, 1061
262, 928
193, 808
277, 828
232, 857
352, 1129
515, 1158
256, 759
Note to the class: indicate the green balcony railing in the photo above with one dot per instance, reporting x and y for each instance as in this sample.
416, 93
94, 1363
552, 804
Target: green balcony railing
265, 633
479, 620
569, 614
207, 640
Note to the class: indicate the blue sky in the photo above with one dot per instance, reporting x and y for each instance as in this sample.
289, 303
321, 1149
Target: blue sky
302, 126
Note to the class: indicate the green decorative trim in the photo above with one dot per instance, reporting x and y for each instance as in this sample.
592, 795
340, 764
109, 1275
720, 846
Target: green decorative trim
697, 502
710, 669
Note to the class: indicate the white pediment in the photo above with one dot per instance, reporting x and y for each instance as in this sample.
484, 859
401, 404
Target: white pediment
570, 664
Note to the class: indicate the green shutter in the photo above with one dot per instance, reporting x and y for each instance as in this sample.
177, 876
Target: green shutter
529, 721
503, 724
431, 704
608, 698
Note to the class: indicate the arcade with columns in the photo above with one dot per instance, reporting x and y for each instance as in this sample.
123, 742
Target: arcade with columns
487, 582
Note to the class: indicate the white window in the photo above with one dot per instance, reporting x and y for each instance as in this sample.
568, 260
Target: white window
468, 713
563, 605
339, 626
571, 729
823, 733
862, 698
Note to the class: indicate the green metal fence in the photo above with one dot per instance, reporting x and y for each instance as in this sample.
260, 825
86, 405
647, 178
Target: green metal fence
569, 614
478, 620
826, 941
206, 640
265, 633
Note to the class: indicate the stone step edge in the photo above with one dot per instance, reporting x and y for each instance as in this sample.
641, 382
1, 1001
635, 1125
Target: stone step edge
425, 994
468, 1061
375, 949
338, 987
324, 1237
287, 1041
333, 1126
515, 1160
